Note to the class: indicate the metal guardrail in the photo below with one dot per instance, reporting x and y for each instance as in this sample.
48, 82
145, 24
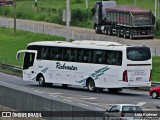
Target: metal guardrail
20, 69
11, 67
155, 83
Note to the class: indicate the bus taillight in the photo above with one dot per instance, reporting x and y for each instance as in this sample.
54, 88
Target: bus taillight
150, 78
125, 77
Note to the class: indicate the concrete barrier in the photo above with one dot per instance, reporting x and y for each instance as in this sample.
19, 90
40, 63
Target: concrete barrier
25, 100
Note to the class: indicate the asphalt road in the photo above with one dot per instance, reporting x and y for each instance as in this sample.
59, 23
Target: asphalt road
81, 97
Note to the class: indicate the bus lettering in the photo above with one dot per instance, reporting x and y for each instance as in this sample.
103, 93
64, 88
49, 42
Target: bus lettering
59, 66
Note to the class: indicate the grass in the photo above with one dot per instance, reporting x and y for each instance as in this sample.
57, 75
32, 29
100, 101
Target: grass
10, 44
156, 69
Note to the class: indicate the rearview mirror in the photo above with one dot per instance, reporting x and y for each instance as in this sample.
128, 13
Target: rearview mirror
17, 56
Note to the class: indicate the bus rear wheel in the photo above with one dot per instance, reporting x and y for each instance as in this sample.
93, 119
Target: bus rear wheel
41, 81
91, 85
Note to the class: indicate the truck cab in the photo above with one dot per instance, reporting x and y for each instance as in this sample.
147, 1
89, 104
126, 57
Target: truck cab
99, 14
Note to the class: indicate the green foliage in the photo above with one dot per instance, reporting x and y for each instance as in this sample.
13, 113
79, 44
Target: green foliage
6, 11
158, 25
156, 69
80, 15
10, 44
78, 1
158, 28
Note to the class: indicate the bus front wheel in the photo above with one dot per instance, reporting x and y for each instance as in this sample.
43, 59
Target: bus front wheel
41, 81
91, 85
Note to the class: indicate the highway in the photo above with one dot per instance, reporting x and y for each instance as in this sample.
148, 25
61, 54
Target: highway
82, 97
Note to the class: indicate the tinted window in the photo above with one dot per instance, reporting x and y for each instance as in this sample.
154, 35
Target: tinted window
38, 48
114, 57
138, 53
131, 109
108, 57
28, 60
115, 108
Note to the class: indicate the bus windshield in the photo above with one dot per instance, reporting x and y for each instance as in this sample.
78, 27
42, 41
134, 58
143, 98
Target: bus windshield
138, 53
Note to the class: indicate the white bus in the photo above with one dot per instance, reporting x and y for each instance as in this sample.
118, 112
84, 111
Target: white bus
93, 64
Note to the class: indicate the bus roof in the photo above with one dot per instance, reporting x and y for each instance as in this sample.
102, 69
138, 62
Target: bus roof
98, 43
82, 44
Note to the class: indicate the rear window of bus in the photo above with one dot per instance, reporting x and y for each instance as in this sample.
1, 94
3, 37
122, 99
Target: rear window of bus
138, 53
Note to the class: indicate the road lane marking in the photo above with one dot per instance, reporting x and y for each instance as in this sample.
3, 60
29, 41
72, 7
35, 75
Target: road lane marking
67, 100
10, 84
91, 98
83, 104
141, 103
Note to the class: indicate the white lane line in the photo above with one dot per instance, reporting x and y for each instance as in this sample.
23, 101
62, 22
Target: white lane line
67, 100
141, 103
91, 98
73, 98
10, 84
83, 104
53, 95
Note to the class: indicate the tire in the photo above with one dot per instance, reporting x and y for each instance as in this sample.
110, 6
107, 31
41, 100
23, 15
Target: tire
150, 37
118, 33
41, 81
91, 86
96, 30
154, 95
124, 34
130, 35
105, 31
109, 32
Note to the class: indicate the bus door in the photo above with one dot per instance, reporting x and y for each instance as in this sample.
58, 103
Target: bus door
139, 66
28, 64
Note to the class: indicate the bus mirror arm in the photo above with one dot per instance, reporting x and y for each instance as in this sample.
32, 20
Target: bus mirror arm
17, 56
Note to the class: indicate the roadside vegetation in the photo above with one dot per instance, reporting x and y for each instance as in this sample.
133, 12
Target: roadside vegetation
51, 11
156, 69
10, 44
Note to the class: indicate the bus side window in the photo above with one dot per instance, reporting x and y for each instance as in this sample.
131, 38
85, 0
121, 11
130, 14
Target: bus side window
73, 55
58, 53
98, 56
46, 53
86, 56
79, 55
66, 53
119, 59
114, 58
104, 56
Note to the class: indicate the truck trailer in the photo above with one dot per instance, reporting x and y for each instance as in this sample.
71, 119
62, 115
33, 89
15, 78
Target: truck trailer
123, 21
